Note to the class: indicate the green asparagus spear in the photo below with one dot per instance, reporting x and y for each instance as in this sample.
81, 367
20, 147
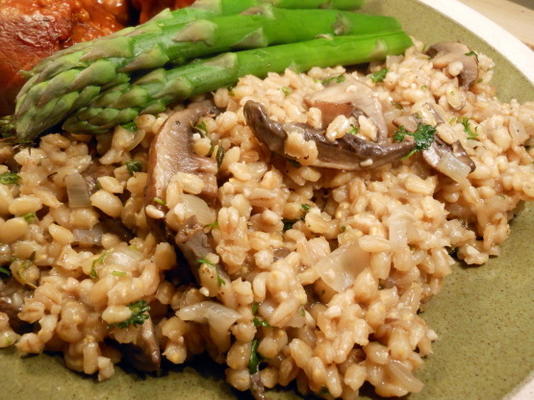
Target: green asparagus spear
200, 9
155, 91
111, 62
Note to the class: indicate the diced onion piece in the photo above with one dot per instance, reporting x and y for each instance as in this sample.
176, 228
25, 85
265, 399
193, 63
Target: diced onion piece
219, 317
341, 267
452, 167
77, 191
398, 226
88, 237
195, 206
125, 257
404, 376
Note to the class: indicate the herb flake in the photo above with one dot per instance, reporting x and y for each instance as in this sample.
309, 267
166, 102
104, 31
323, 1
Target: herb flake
473, 54
5, 272
119, 274
213, 225
134, 166
353, 130
159, 201
9, 178
140, 314
30, 217
471, 134
205, 261
255, 307
130, 126
286, 90
220, 155
334, 79
96, 262
254, 359
258, 322
288, 224
379, 75
423, 137
201, 128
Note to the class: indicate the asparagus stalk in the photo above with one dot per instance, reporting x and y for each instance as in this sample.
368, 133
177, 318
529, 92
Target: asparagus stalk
72, 57
111, 62
155, 91
200, 9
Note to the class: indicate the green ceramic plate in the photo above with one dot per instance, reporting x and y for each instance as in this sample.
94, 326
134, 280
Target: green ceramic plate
484, 316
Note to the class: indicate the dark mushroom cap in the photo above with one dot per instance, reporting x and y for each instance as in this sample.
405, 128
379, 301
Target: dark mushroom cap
447, 52
171, 152
348, 153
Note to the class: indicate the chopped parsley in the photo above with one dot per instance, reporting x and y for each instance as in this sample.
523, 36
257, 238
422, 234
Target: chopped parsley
96, 262
139, 310
255, 307
472, 53
379, 75
159, 201
220, 280
9, 178
467, 129
134, 166
220, 155
354, 130
5, 271
288, 223
397, 105
119, 273
334, 79
30, 217
423, 136
260, 322
305, 207
254, 359
201, 128
213, 225
205, 261
294, 163
130, 126
286, 90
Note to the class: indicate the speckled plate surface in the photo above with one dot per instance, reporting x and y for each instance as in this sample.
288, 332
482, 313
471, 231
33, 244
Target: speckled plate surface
484, 316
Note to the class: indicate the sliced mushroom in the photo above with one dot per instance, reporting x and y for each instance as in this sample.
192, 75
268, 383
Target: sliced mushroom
195, 244
171, 152
447, 52
348, 153
346, 97
451, 160
144, 353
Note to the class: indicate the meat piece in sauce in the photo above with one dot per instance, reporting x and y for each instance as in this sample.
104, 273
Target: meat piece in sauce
31, 30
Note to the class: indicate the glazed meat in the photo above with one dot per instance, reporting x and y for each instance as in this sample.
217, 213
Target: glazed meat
31, 30
149, 8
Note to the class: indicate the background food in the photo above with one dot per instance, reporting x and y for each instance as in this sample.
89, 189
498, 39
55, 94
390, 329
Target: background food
404, 218
31, 30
